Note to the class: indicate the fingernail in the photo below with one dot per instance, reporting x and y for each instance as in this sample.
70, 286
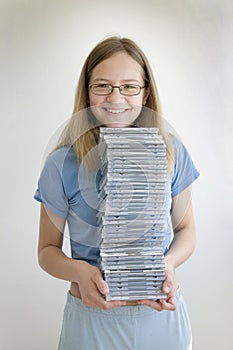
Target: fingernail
104, 289
167, 289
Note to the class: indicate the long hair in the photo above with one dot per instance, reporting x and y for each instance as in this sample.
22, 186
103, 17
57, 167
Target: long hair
81, 132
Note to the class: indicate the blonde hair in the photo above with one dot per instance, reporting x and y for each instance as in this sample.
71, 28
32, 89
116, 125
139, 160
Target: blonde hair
81, 131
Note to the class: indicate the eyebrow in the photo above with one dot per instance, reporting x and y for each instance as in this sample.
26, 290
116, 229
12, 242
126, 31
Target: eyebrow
122, 81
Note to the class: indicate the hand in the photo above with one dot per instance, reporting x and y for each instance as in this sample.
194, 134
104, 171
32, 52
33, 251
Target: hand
93, 288
170, 286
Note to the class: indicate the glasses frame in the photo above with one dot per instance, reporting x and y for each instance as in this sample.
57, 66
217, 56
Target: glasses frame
119, 87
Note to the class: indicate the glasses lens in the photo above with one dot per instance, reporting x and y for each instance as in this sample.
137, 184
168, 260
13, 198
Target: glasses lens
101, 89
130, 89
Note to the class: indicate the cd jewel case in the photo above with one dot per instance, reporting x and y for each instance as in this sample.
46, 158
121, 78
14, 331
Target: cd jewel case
131, 212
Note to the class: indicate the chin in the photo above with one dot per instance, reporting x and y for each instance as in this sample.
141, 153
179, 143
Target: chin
116, 125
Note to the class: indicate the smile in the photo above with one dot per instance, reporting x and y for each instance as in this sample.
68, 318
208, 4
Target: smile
115, 111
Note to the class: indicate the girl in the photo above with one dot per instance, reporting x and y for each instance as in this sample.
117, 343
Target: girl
116, 88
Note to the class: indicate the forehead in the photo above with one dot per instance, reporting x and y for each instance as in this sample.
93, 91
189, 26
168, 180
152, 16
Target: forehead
118, 67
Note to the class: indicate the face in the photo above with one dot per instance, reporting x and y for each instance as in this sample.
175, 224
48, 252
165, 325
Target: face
116, 110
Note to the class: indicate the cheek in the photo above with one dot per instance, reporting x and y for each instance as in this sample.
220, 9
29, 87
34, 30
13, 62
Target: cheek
96, 100
138, 101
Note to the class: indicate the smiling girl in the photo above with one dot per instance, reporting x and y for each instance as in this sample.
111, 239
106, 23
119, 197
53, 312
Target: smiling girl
116, 88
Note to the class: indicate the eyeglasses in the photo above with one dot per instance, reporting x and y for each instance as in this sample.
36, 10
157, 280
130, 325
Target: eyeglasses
107, 89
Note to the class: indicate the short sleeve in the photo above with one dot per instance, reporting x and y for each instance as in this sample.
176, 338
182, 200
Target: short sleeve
50, 189
185, 172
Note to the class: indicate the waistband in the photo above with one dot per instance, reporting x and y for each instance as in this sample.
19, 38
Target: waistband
124, 311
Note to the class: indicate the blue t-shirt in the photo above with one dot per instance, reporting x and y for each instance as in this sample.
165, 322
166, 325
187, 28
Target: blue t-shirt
71, 192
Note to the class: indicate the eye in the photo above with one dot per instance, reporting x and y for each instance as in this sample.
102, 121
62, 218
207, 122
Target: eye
131, 89
102, 86
101, 89
130, 86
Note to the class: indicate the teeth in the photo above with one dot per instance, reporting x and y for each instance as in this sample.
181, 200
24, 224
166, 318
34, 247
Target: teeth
115, 111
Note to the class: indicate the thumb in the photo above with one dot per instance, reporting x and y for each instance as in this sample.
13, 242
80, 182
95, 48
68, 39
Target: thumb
101, 284
167, 285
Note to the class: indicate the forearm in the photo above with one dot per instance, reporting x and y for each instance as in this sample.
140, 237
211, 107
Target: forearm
181, 248
56, 263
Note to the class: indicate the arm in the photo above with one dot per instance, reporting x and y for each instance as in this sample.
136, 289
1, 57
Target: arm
183, 224
53, 260
182, 246
180, 249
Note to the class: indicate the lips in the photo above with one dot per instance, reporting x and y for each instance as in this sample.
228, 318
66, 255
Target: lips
115, 111
115, 115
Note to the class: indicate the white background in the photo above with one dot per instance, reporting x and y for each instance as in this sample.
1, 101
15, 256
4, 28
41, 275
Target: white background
43, 46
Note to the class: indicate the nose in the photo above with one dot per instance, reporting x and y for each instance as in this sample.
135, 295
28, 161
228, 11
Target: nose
115, 96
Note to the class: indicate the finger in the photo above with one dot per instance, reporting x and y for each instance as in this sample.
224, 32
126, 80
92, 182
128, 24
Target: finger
113, 304
169, 304
168, 284
151, 303
96, 299
100, 284
100, 302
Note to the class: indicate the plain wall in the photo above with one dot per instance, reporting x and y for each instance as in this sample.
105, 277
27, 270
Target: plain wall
43, 45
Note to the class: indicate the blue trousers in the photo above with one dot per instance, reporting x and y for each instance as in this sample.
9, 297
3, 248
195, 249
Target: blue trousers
125, 328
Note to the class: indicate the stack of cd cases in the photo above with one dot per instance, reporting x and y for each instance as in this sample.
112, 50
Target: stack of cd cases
131, 212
